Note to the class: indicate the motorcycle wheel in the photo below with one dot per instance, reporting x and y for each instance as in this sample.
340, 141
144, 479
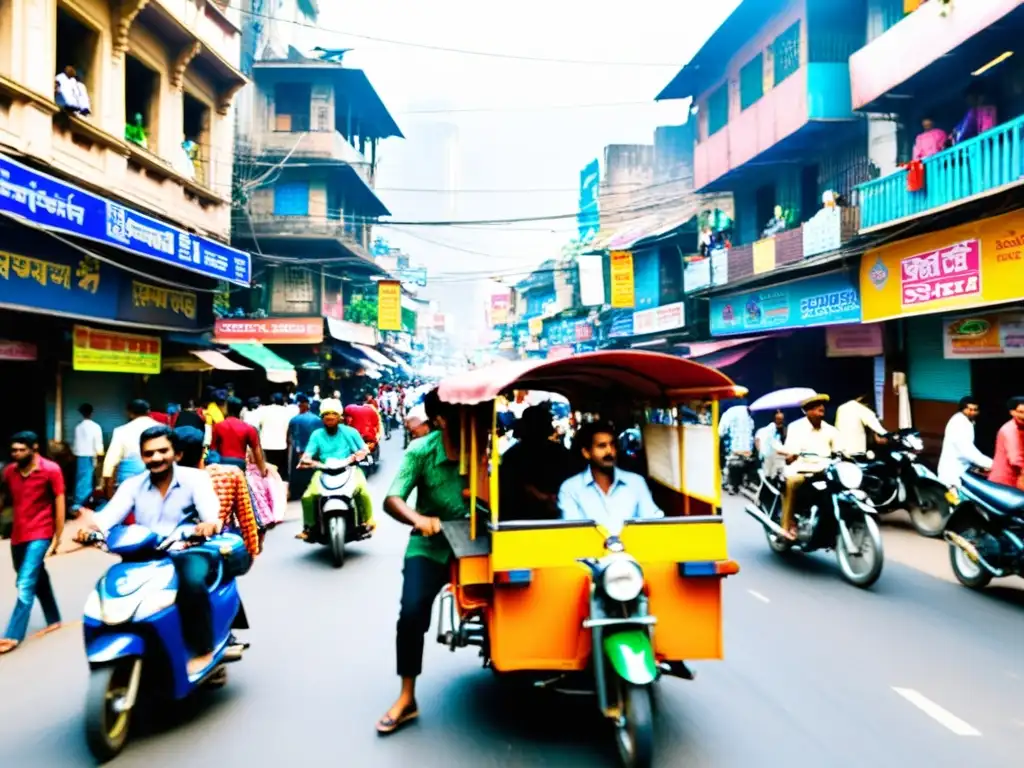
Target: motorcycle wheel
634, 734
929, 517
862, 570
106, 729
968, 572
336, 540
777, 544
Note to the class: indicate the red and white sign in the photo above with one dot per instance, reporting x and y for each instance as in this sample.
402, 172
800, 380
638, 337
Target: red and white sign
584, 332
943, 274
659, 319
18, 350
269, 330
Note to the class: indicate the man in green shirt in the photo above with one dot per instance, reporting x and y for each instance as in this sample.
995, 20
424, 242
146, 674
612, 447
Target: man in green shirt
431, 467
334, 440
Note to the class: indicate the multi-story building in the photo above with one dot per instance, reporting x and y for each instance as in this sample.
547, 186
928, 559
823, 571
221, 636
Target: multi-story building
116, 140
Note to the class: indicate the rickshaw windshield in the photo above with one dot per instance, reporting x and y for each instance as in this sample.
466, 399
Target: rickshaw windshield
652, 382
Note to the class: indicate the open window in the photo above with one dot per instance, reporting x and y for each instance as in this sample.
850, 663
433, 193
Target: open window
77, 47
196, 128
141, 103
292, 106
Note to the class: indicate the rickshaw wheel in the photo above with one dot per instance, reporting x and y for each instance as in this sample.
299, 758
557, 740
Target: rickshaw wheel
634, 734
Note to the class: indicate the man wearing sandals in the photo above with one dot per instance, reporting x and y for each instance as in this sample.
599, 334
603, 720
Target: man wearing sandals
431, 467
810, 443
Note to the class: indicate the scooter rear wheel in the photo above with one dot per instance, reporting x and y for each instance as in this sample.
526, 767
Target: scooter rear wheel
336, 539
106, 728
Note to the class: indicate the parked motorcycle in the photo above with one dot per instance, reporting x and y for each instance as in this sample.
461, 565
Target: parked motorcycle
894, 479
133, 636
985, 531
831, 512
336, 515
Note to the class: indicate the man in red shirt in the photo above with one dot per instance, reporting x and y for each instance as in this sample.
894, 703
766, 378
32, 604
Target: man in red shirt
36, 489
1008, 461
232, 438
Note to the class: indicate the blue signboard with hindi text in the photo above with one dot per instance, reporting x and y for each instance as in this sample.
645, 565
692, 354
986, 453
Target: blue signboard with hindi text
588, 219
42, 200
813, 301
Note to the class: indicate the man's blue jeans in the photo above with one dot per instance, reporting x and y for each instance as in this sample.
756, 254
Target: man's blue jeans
84, 479
33, 581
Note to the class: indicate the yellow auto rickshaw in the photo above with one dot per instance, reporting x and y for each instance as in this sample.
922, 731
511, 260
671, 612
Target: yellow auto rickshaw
560, 599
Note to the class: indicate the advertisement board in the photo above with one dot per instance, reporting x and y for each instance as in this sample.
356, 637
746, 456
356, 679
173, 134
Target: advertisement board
269, 330
114, 352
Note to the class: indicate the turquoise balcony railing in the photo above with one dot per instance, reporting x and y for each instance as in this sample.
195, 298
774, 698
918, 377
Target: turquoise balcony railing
987, 162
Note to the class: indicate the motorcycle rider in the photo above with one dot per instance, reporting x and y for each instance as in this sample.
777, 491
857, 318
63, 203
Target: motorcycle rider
737, 429
162, 499
334, 440
959, 452
809, 435
853, 420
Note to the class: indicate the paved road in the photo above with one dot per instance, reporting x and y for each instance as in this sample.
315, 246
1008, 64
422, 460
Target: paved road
810, 677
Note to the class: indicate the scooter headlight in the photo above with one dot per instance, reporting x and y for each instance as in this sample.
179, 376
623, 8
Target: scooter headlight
849, 475
622, 579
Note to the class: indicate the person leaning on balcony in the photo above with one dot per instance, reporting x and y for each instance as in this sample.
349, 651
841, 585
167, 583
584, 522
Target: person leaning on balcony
930, 141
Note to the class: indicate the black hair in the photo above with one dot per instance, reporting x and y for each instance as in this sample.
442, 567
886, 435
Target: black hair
155, 433
432, 405
966, 401
138, 408
1014, 403
189, 443
234, 407
536, 423
586, 434
26, 437
301, 398
85, 409
220, 395
277, 398
253, 403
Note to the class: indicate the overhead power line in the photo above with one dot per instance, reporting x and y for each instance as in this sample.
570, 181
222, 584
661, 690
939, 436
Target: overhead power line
461, 51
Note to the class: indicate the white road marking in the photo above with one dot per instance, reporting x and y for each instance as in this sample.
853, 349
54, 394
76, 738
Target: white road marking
934, 711
759, 596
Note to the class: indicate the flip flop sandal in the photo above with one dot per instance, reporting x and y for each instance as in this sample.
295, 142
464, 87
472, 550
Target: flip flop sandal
8, 648
388, 725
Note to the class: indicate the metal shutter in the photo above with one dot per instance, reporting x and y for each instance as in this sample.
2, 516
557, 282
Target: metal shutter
108, 393
932, 377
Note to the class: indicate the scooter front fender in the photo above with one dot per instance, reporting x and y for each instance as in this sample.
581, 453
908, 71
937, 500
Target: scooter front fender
108, 648
631, 655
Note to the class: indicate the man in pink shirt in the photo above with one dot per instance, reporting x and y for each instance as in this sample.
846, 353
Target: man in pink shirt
1008, 462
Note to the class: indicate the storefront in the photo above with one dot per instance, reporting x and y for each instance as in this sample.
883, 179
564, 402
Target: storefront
932, 288
802, 334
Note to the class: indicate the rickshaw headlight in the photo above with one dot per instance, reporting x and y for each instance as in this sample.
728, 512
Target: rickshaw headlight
622, 579
849, 474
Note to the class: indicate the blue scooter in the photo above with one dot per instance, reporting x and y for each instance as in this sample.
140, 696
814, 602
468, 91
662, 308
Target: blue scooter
133, 634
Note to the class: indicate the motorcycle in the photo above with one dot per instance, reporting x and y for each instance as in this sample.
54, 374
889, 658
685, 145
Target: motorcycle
895, 479
336, 515
985, 532
133, 636
831, 512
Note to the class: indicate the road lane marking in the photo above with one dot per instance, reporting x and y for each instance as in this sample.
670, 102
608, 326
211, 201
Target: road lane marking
934, 711
759, 596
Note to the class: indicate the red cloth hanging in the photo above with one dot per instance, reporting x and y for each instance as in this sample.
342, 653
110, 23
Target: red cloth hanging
915, 176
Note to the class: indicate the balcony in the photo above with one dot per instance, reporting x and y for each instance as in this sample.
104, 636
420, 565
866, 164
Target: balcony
310, 145
981, 166
782, 122
928, 52
265, 225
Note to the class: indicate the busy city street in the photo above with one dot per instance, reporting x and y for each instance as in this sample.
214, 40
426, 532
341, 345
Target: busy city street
917, 671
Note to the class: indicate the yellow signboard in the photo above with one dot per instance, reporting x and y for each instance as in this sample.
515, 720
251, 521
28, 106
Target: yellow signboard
389, 305
764, 256
114, 352
536, 326
974, 265
623, 289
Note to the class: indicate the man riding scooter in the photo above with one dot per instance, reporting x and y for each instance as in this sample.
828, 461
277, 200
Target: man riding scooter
339, 442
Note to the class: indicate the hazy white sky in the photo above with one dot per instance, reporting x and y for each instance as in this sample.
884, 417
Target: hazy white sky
519, 142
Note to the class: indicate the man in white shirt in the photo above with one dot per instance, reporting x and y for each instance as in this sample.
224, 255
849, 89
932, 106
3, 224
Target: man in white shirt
769, 441
123, 456
959, 453
853, 419
274, 420
813, 436
164, 499
87, 447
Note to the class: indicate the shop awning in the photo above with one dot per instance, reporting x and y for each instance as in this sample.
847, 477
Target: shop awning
374, 356
353, 333
217, 361
704, 348
279, 370
726, 357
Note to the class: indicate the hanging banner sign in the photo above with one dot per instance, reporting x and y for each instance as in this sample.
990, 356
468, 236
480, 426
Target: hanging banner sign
764, 256
61, 207
18, 350
984, 336
389, 305
114, 352
269, 330
623, 288
501, 305
854, 340
535, 326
